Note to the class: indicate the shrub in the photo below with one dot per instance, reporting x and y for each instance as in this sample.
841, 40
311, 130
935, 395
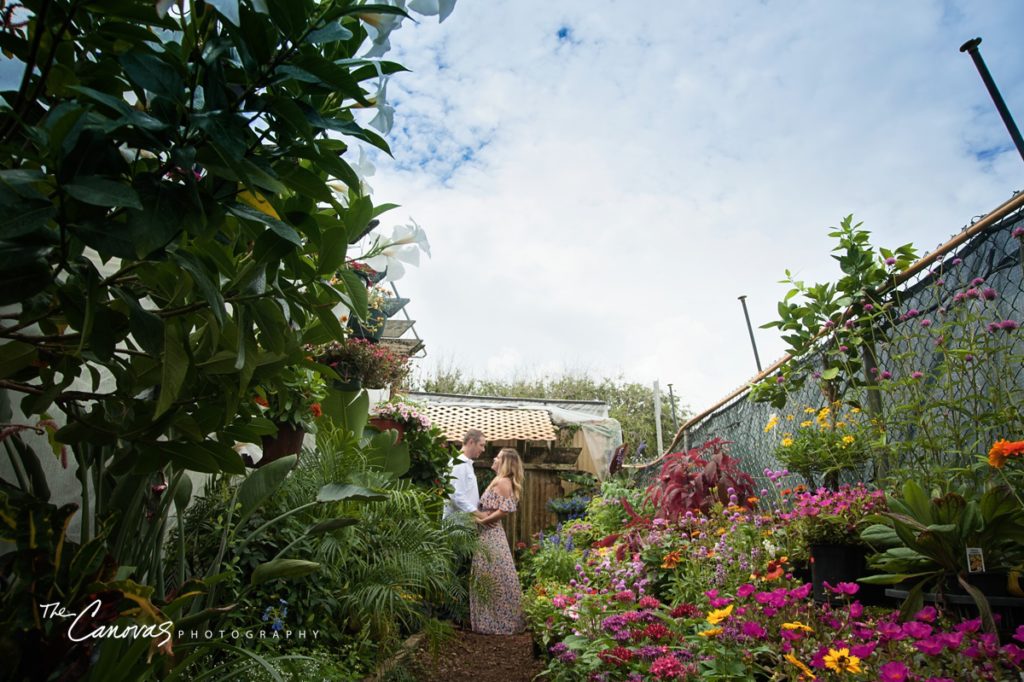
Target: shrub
696, 480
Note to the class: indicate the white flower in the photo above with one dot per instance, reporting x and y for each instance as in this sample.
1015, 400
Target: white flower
429, 8
364, 168
381, 26
385, 118
411, 234
404, 246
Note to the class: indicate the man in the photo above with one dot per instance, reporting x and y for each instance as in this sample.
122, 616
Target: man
466, 497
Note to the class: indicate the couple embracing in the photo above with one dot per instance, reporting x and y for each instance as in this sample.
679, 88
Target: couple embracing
495, 595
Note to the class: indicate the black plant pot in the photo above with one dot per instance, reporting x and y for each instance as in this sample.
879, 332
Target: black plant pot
375, 330
836, 564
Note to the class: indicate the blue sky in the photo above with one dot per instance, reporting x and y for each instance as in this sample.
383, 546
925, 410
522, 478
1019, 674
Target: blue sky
600, 180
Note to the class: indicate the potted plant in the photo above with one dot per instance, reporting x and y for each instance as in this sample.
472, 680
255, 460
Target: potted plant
354, 359
828, 524
930, 541
292, 402
821, 444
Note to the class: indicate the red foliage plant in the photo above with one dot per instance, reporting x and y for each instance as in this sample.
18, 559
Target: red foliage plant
695, 480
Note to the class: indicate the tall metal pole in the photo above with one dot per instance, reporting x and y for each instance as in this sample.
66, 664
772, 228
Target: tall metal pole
657, 418
971, 48
672, 402
750, 330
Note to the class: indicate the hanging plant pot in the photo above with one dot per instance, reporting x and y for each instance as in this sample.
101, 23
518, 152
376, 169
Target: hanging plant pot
835, 564
374, 329
287, 441
393, 305
383, 424
349, 378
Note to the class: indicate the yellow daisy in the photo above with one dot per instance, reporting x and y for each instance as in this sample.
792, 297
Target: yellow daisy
718, 615
841, 660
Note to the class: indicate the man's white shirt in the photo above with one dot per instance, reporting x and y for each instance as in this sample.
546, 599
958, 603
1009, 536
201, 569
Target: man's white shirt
466, 497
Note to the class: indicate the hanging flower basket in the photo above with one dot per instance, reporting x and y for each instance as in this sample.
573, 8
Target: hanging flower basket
383, 424
368, 274
287, 441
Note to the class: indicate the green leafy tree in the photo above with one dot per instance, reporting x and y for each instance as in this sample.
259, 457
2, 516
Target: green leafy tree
170, 232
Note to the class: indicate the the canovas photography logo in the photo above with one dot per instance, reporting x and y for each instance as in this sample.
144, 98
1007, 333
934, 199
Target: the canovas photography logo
274, 626
93, 622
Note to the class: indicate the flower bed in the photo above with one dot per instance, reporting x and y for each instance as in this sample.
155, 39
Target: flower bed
714, 596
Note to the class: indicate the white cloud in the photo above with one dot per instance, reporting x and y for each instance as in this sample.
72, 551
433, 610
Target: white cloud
600, 199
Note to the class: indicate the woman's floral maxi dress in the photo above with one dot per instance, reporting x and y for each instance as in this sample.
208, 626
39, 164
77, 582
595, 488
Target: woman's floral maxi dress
495, 595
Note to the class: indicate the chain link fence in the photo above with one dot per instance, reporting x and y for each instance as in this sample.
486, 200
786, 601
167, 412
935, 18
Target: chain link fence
992, 254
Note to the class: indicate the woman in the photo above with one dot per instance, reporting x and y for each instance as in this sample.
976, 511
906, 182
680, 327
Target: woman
495, 596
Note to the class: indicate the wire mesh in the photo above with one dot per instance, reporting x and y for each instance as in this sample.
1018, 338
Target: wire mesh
910, 346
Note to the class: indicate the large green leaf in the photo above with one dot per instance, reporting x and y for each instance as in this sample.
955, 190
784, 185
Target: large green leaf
338, 492
283, 568
261, 484
103, 192
175, 366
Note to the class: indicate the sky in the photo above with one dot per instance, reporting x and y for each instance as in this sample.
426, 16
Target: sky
601, 180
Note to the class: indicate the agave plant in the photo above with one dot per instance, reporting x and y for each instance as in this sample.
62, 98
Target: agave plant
925, 539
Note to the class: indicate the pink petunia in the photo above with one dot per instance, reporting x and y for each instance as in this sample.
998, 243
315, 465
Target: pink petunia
893, 671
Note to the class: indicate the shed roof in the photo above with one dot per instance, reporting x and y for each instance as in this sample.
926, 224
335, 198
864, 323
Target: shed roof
497, 423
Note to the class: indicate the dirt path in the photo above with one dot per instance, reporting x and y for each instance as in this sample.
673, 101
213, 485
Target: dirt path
479, 658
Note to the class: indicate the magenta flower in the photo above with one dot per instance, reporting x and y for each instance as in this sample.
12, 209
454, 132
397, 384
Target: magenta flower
917, 630
977, 281
868, 307
886, 374
1018, 232
843, 588
753, 629
649, 603
1018, 633
958, 261
916, 375
930, 647
989, 294
926, 323
972, 293
890, 261
1015, 653
1008, 325
745, 590
893, 671
843, 349
666, 667
863, 650
888, 630
926, 615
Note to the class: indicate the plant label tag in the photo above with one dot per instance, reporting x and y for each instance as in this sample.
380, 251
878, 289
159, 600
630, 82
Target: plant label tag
975, 560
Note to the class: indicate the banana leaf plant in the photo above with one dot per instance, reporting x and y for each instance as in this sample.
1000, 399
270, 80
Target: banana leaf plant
924, 539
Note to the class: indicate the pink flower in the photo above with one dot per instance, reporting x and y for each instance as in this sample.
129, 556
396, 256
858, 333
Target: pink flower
989, 294
666, 667
745, 590
1018, 232
1015, 653
893, 671
649, 603
977, 281
843, 588
931, 646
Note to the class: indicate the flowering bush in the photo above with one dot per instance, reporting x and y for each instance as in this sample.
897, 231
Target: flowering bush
824, 442
374, 364
834, 517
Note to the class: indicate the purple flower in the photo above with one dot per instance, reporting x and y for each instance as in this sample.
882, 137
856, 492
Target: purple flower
913, 312
926, 615
977, 281
1015, 653
893, 671
843, 349
890, 631
969, 358
1018, 232
992, 327
886, 374
917, 630
843, 588
746, 589
916, 374
868, 307
779, 379
958, 261
1008, 325
972, 293
890, 261
926, 323
989, 294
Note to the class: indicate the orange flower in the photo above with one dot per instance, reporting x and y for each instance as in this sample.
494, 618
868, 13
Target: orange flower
672, 559
1002, 450
261, 401
316, 409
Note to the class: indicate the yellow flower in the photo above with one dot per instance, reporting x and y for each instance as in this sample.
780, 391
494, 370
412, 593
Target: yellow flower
824, 412
718, 615
809, 410
786, 442
854, 410
848, 439
797, 625
772, 423
840, 425
710, 632
802, 666
790, 417
804, 424
841, 660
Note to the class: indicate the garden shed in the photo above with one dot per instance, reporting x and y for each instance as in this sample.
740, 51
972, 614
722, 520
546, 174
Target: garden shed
553, 437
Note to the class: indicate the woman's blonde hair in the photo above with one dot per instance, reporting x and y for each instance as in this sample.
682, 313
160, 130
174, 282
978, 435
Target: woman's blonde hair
511, 467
